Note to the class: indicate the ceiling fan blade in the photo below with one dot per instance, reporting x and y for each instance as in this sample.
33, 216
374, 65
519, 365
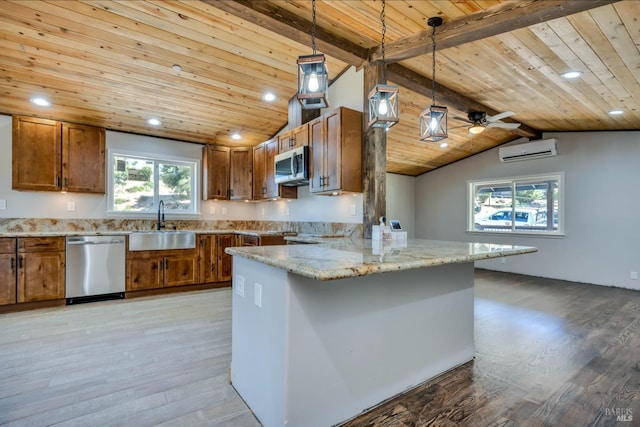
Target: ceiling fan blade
504, 125
462, 119
500, 116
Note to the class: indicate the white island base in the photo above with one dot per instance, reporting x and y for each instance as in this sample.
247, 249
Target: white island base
318, 353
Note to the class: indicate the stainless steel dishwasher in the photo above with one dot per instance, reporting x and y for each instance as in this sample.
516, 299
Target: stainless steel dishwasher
95, 268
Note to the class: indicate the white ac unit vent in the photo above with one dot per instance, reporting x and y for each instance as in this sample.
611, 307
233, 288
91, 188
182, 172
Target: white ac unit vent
530, 150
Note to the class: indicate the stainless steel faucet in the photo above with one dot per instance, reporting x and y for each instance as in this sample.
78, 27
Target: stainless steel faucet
161, 224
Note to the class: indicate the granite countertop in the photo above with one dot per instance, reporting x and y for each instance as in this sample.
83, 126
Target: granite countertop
343, 258
258, 233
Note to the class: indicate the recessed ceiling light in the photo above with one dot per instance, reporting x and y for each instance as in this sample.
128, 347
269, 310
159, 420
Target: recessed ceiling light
154, 122
444, 145
40, 101
572, 74
176, 68
236, 136
269, 97
616, 112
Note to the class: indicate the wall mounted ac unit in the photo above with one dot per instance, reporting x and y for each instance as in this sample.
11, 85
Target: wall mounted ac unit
530, 150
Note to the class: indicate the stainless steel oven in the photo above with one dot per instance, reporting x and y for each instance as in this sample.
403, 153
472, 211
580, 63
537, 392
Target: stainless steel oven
292, 167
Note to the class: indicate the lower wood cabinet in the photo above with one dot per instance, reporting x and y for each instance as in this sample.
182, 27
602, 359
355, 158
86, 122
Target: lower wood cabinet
8, 270
162, 269
216, 265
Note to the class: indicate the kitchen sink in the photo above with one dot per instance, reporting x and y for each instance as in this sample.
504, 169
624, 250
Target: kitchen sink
161, 240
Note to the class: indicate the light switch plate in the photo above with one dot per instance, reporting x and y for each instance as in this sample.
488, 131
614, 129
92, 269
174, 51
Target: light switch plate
3, 204
239, 285
71, 206
257, 294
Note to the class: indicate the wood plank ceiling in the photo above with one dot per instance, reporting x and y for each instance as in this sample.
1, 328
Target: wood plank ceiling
109, 63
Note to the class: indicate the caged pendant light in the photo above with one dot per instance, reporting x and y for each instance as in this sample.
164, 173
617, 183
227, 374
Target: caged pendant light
433, 120
313, 76
383, 99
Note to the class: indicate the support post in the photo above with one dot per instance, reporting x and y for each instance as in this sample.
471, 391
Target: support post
374, 158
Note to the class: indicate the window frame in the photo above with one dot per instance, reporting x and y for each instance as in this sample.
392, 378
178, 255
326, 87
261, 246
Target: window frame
513, 182
157, 159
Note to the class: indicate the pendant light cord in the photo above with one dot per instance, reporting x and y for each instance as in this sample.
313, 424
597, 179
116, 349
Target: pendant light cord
313, 26
433, 69
384, 32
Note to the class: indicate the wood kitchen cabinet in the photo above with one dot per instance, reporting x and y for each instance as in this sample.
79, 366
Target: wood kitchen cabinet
216, 172
264, 184
216, 265
294, 138
335, 145
48, 155
8, 268
41, 268
241, 173
265, 240
161, 269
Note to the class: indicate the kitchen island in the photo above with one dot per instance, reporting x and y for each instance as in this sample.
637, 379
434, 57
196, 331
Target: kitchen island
321, 333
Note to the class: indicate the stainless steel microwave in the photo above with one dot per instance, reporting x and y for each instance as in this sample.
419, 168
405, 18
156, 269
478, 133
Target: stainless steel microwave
292, 167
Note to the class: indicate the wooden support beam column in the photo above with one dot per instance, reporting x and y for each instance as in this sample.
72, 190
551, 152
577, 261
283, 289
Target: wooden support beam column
374, 158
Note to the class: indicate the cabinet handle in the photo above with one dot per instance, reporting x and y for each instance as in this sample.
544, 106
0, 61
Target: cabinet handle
66, 183
20, 261
264, 190
231, 193
166, 264
57, 181
13, 261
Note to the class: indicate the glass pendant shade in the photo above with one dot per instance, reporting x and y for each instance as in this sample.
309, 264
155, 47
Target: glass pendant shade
313, 82
433, 123
383, 106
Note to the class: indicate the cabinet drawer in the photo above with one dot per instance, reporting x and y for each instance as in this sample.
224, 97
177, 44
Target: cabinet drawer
7, 245
249, 240
40, 244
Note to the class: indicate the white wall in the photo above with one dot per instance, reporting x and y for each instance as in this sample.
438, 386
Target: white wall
401, 201
602, 228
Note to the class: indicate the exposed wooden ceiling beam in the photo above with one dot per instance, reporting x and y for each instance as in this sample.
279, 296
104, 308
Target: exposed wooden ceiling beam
420, 84
499, 19
273, 18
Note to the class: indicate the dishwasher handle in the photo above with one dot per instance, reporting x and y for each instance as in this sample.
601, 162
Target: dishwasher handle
104, 242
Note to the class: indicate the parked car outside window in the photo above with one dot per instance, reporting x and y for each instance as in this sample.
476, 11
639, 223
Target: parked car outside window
502, 219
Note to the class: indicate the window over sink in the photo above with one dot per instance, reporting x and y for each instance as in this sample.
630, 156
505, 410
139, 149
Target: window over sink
138, 182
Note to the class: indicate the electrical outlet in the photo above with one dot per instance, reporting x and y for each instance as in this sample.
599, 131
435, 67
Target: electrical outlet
503, 260
224, 210
634, 275
239, 284
3, 204
257, 294
71, 206
212, 210
353, 208
288, 211
262, 211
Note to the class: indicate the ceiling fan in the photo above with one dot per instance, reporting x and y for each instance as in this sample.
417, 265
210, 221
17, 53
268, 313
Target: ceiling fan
479, 121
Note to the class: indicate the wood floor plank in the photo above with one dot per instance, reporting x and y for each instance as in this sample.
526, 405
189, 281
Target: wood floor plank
548, 353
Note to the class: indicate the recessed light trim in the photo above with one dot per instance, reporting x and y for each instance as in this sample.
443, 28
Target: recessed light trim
572, 74
154, 122
269, 97
444, 145
616, 112
236, 136
177, 68
40, 101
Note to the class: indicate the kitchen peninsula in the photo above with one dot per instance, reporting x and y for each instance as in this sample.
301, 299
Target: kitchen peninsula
321, 333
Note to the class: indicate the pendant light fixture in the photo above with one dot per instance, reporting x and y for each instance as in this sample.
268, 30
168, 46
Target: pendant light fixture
433, 120
383, 99
313, 76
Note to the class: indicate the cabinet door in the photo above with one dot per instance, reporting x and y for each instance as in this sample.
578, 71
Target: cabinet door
40, 276
145, 272
8, 263
181, 268
216, 169
259, 163
225, 261
208, 258
333, 144
36, 154
300, 136
317, 148
241, 173
83, 160
285, 141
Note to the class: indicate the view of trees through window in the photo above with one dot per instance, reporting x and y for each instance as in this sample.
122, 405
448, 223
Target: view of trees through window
139, 184
523, 204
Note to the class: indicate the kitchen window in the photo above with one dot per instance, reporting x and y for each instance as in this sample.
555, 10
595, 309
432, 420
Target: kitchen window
530, 205
138, 182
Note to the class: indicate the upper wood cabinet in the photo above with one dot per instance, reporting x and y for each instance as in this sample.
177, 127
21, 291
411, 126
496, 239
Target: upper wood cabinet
335, 145
53, 156
294, 138
264, 183
241, 173
216, 171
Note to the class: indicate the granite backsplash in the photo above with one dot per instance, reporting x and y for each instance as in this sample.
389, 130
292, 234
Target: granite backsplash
53, 225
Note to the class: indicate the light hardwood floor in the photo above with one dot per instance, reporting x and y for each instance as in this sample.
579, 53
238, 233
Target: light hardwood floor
548, 353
